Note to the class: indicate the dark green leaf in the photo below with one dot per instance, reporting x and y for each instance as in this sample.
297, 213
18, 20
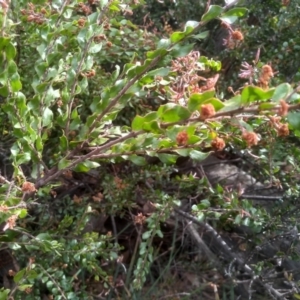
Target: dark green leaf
190, 26
167, 158
162, 45
183, 152
198, 155
252, 93
15, 83
177, 36
12, 68
294, 120
63, 163
159, 72
86, 166
138, 121
47, 116
19, 275
4, 91
232, 104
281, 92
173, 113
213, 12
201, 35
10, 51
152, 126
181, 50
137, 160
232, 15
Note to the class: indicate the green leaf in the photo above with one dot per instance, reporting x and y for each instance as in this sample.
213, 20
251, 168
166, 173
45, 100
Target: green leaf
177, 36
197, 99
63, 163
181, 50
138, 160
159, 233
15, 83
41, 67
31, 274
167, 158
12, 68
253, 93
137, 69
294, 120
232, 104
10, 51
190, 26
162, 45
4, 42
138, 121
44, 236
232, 15
19, 275
159, 72
42, 50
210, 63
95, 48
173, 113
64, 145
4, 91
198, 155
86, 166
146, 235
23, 158
22, 213
4, 294
201, 35
47, 117
281, 92
51, 95
103, 3
183, 152
24, 287
213, 12
152, 126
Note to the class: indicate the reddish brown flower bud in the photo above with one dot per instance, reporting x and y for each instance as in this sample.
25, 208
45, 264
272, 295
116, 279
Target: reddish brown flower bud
28, 187
207, 111
250, 138
237, 35
182, 138
218, 144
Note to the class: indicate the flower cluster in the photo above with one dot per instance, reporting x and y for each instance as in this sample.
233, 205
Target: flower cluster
88, 74
265, 76
207, 111
28, 187
218, 144
34, 16
234, 37
250, 138
182, 138
187, 80
281, 128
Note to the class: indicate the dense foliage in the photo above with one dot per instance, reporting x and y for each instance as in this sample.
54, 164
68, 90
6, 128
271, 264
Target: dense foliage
99, 107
